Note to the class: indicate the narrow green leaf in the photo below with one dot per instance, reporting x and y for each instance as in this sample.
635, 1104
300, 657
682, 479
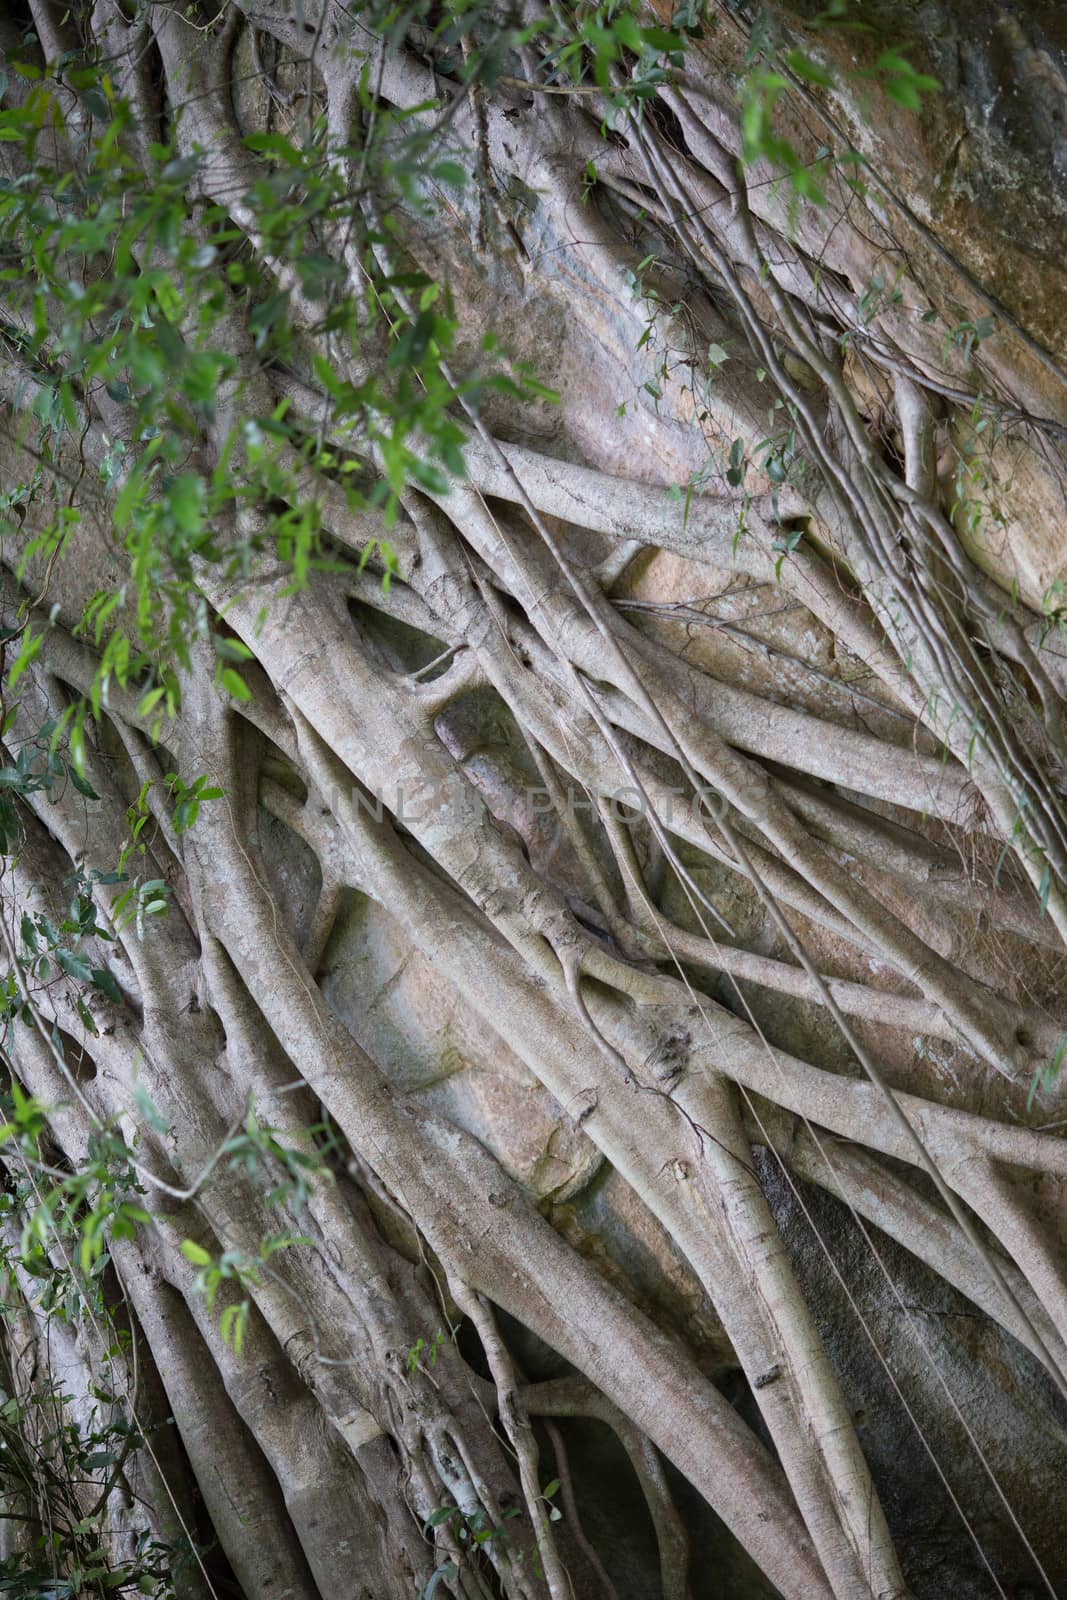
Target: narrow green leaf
103, 980
450, 172
234, 684
74, 966
82, 785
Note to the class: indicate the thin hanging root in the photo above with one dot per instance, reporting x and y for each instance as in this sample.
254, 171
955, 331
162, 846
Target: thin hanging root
570, 1509
666, 941
571, 964
517, 1426
576, 834
671, 1536
327, 909
576, 1397
955, 664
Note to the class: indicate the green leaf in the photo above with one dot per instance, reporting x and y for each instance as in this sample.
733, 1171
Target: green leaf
31, 644
149, 1110
231, 649
806, 68
186, 498
442, 1514
904, 92
96, 103
149, 701
74, 966
1044, 889
82, 785
103, 980
234, 684
274, 144
232, 1325
195, 1253
660, 39
1035, 1084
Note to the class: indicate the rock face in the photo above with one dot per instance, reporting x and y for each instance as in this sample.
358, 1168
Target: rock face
922, 1344
984, 164
437, 1051
985, 168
